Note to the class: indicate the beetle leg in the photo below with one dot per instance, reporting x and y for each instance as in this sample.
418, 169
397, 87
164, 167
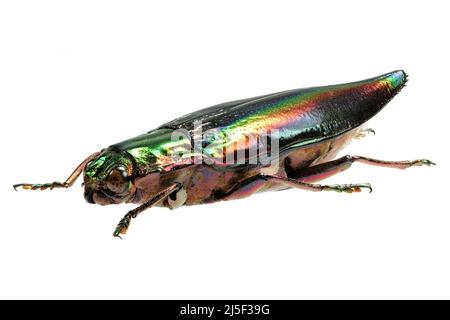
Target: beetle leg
258, 182
66, 184
123, 225
364, 132
295, 183
392, 164
327, 169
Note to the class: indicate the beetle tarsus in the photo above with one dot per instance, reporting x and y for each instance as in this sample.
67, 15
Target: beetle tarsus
364, 133
43, 186
423, 162
348, 188
123, 225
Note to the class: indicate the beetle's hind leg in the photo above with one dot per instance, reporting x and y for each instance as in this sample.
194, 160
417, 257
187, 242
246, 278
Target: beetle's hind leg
66, 184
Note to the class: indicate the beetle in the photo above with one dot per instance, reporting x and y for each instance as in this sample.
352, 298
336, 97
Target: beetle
194, 159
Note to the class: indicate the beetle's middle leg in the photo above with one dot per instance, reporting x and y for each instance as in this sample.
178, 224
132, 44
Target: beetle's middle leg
327, 169
261, 181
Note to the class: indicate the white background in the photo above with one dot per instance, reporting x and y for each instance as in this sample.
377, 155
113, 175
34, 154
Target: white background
78, 76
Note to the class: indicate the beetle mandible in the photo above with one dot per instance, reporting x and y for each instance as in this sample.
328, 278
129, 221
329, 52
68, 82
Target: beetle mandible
195, 159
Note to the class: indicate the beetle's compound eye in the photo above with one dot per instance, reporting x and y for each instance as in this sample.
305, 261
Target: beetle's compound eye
117, 180
177, 199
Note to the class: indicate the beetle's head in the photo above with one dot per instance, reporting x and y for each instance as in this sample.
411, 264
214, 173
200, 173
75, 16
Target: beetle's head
109, 178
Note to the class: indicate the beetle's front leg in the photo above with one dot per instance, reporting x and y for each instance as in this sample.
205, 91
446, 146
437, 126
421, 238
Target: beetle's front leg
66, 184
123, 225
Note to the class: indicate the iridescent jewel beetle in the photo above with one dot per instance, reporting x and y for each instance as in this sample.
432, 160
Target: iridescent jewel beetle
235, 149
